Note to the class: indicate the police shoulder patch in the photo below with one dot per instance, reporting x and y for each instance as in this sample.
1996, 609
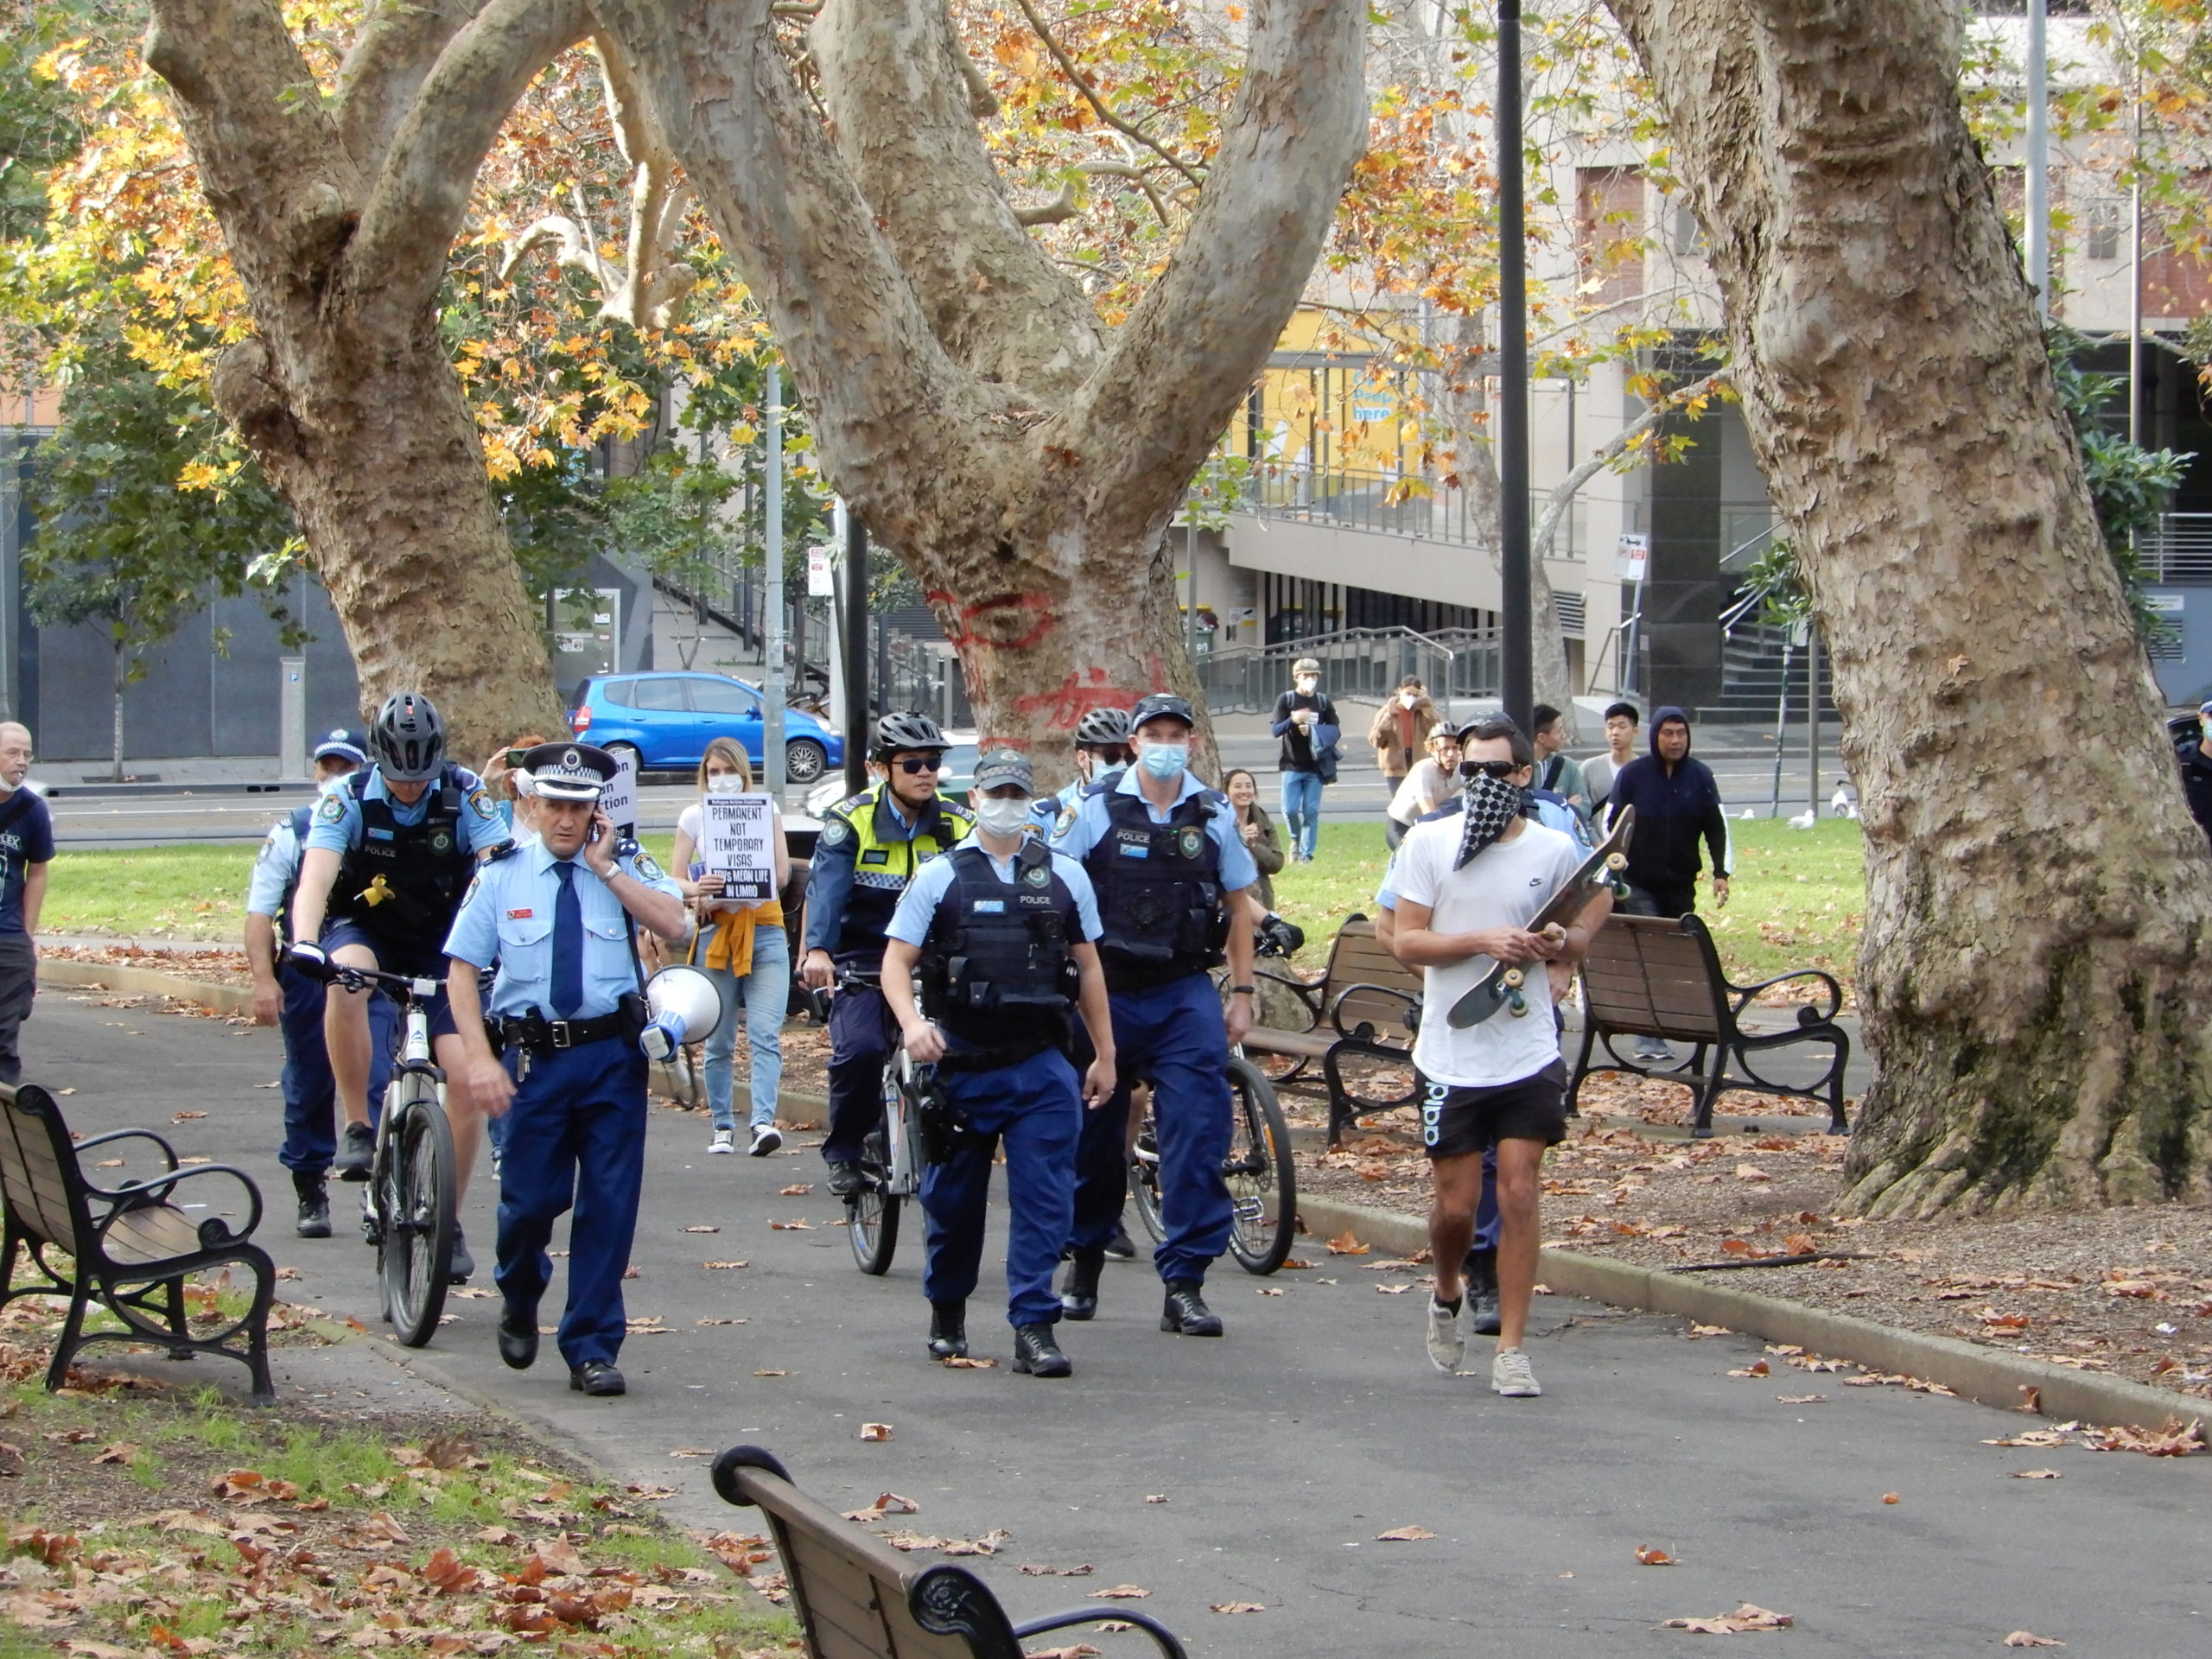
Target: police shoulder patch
836, 832
646, 869
475, 882
332, 810
481, 803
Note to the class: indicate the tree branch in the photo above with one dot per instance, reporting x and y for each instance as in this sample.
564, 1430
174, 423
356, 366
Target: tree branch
396, 48
421, 197
1061, 208
1563, 492
1105, 111
1190, 349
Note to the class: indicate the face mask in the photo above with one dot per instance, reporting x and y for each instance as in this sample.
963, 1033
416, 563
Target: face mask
725, 783
1306, 683
1164, 760
1002, 817
1406, 699
1492, 804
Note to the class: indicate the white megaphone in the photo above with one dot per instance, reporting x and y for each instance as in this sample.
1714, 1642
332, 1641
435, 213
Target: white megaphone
682, 1005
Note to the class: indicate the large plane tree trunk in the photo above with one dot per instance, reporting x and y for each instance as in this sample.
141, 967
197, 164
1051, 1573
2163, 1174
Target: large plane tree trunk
338, 220
966, 400
2033, 976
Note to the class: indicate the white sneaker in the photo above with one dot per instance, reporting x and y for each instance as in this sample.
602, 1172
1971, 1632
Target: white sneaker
1447, 1336
765, 1139
1510, 1374
725, 1140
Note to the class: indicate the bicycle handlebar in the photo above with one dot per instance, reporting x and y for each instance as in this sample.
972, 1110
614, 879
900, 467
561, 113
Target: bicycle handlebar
401, 987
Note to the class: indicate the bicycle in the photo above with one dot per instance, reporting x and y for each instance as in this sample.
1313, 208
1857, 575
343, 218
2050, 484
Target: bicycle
408, 1206
892, 1160
1262, 1180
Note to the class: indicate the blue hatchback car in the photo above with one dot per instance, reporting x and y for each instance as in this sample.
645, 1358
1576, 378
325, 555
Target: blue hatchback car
665, 721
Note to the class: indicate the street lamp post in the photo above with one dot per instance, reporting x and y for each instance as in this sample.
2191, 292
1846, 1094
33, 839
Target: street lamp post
1517, 657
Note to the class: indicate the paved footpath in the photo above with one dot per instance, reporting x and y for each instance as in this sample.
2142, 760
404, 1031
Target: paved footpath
1281, 1451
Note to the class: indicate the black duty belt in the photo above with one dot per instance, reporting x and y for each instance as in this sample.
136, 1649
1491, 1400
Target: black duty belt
534, 1033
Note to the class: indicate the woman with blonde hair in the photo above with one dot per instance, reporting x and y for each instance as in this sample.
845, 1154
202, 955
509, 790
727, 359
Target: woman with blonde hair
742, 947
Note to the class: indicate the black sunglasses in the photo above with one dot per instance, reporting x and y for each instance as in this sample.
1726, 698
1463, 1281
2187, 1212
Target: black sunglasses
1490, 768
914, 765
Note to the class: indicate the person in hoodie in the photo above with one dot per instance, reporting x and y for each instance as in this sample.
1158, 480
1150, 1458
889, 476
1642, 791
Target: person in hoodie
1677, 804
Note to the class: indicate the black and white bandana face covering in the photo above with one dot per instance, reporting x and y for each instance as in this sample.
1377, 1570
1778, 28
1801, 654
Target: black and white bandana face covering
1492, 804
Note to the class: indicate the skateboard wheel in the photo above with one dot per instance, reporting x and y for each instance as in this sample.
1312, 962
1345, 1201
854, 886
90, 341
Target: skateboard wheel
1617, 862
1513, 980
1520, 1007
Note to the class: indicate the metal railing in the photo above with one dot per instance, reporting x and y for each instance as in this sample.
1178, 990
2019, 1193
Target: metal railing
2180, 549
1390, 504
1356, 663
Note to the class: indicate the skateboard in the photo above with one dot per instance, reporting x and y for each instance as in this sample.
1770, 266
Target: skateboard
1501, 986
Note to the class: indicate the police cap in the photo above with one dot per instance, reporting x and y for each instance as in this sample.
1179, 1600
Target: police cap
999, 767
344, 745
1157, 703
569, 771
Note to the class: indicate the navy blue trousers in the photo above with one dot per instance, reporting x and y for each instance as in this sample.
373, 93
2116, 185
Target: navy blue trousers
1036, 1107
1173, 1034
575, 1138
310, 1096
861, 1031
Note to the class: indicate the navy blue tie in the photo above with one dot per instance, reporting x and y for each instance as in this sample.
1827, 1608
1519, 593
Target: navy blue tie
568, 945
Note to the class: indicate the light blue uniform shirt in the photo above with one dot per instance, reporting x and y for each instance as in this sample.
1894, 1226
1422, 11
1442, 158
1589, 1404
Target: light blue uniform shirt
909, 924
1090, 823
337, 818
507, 918
276, 865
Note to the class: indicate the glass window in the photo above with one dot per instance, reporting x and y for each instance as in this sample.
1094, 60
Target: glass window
616, 693
721, 698
657, 693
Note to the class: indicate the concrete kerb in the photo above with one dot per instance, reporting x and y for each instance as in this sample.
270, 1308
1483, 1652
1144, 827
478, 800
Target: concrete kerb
2004, 1381
144, 982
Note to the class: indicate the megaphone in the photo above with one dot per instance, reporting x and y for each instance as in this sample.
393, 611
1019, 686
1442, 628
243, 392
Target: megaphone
682, 1005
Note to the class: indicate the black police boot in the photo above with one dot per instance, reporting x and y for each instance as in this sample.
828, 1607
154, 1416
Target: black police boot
949, 1329
1121, 1247
1481, 1275
1185, 1313
355, 1148
315, 1204
463, 1263
1035, 1353
846, 1177
1079, 1296
518, 1336
598, 1376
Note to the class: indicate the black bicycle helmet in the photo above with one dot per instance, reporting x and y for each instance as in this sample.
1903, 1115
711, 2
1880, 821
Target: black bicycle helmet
407, 740
905, 729
1102, 728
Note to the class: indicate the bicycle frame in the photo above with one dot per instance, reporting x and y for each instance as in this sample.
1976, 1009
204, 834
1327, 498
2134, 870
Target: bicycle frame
902, 1131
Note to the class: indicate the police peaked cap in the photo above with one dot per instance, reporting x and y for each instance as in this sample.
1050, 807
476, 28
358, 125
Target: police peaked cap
569, 772
1162, 703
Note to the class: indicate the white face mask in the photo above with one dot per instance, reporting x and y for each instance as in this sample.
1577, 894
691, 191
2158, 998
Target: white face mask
725, 783
1306, 683
1406, 699
1003, 816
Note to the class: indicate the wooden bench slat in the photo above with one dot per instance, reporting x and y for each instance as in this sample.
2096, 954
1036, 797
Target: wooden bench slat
156, 1234
910, 1640
1269, 1040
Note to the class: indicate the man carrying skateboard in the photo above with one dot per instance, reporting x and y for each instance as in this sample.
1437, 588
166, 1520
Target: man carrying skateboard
1468, 885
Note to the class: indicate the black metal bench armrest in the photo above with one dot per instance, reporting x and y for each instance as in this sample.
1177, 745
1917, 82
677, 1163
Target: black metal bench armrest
1151, 1627
1364, 1033
1307, 992
1806, 1015
157, 1190
169, 1151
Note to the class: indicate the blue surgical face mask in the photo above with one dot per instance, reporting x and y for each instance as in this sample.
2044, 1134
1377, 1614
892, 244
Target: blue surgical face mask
1164, 760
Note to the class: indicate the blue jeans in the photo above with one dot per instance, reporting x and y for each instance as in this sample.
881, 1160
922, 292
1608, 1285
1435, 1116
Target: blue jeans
763, 994
1301, 810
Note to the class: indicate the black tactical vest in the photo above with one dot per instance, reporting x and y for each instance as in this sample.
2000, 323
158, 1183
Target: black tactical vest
405, 882
1160, 892
998, 971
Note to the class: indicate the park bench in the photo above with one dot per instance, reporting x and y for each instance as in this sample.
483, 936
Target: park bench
858, 1598
1660, 976
1366, 1004
129, 1247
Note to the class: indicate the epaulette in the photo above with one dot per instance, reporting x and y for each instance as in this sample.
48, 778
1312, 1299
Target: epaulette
955, 809
852, 801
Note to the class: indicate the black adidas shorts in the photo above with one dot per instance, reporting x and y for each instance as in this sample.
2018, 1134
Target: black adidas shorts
1458, 1121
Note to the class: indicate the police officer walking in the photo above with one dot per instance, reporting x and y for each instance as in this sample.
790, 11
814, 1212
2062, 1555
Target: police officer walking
870, 848
1004, 931
557, 916
1169, 866
389, 856
286, 997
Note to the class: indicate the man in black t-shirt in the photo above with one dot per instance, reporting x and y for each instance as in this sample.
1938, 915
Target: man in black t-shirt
26, 848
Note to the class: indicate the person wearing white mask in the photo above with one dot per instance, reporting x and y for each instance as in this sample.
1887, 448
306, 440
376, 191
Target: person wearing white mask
1306, 722
1399, 728
744, 950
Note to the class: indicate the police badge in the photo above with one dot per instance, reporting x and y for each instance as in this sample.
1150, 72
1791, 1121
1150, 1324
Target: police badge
1190, 840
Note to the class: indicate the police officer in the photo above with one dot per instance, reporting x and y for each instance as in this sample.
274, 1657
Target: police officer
870, 848
1168, 864
1102, 746
389, 856
284, 996
1004, 930
556, 914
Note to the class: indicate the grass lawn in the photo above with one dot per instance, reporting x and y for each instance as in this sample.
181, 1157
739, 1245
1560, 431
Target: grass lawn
1797, 900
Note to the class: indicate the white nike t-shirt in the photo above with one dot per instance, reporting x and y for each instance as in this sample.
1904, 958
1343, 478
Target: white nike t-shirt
1503, 886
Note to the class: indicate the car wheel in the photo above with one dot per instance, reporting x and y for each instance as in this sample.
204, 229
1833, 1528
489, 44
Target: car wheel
804, 760
622, 751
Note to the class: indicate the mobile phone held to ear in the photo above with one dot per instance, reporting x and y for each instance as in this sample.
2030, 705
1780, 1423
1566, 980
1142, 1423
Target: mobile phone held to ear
515, 758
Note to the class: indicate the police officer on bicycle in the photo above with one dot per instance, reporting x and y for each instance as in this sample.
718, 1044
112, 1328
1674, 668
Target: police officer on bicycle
388, 856
1168, 863
1102, 747
286, 997
1004, 930
871, 847
557, 915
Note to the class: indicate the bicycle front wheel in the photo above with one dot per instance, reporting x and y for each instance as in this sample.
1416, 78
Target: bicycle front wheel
872, 1213
1262, 1180
1144, 1177
416, 1252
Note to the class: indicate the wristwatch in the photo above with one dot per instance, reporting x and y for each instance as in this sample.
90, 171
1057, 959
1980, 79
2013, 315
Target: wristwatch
1242, 990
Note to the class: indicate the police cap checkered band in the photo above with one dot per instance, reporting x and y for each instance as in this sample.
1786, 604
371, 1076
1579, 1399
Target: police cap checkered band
569, 771
344, 744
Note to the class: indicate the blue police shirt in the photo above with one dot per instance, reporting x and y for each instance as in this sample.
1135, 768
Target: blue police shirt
1087, 826
918, 905
337, 826
507, 918
276, 865
1049, 809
